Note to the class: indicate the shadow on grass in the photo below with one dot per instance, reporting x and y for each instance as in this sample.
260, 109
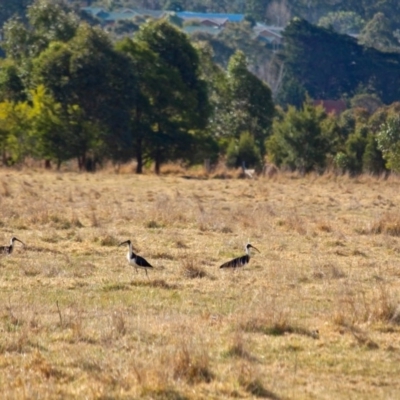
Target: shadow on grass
163, 394
277, 328
157, 283
256, 388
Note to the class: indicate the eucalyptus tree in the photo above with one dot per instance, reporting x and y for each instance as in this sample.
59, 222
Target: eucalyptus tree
96, 85
178, 95
47, 21
251, 104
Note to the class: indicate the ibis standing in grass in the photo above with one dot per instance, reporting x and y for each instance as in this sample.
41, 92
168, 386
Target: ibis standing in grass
9, 249
134, 259
240, 261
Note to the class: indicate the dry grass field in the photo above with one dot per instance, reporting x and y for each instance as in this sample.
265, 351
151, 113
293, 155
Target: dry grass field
315, 315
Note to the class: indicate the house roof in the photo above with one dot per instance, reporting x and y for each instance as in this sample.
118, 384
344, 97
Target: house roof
122, 14
332, 106
190, 29
216, 21
94, 10
117, 16
271, 30
195, 15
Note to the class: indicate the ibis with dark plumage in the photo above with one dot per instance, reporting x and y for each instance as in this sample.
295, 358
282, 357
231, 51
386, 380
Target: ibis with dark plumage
9, 249
242, 260
134, 259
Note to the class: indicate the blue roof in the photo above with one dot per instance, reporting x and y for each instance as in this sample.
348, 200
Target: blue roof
230, 17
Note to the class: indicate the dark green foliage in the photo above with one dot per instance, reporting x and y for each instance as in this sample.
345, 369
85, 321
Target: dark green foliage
10, 8
301, 139
173, 102
11, 85
388, 139
372, 158
245, 153
252, 107
355, 147
329, 65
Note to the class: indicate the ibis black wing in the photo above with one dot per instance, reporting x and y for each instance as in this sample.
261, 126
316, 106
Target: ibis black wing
236, 262
6, 249
141, 262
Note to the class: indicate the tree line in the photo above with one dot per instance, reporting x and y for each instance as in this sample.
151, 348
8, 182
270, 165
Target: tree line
68, 92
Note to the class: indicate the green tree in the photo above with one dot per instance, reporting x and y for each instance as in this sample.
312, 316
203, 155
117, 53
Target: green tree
372, 159
342, 22
251, 105
10, 8
257, 9
389, 142
355, 148
11, 85
312, 59
378, 33
47, 128
14, 123
180, 105
93, 82
243, 153
48, 21
300, 140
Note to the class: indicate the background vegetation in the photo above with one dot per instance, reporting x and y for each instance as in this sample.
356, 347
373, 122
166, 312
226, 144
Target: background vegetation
71, 90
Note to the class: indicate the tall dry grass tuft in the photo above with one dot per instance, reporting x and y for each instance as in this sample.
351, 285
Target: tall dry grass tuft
191, 364
191, 269
6, 192
388, 223
251, 380
238, 347
294, 223
360, 306
271, 318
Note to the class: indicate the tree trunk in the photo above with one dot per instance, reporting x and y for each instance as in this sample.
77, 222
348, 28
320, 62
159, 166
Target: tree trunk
139, 156
82, 161
157, 160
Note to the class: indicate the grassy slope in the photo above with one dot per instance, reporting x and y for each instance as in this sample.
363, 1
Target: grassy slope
77, 321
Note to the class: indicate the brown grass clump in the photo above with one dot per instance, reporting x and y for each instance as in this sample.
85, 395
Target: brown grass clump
249, 378
361, 307
191, 366
389, 224
190, 268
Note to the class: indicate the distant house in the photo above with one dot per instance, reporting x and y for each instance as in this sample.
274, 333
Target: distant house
110, 18
212, 22
189, 15
332, 106
191, 29
271, 35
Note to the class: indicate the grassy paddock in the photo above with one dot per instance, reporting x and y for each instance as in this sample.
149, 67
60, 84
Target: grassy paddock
315, 315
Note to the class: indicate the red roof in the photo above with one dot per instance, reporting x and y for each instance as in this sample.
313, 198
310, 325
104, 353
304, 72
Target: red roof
332, 106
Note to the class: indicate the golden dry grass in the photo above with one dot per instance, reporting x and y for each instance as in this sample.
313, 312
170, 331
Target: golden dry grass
315, 316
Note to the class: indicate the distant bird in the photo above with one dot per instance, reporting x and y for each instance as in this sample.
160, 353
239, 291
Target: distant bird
9, 249
240, 261
134, 259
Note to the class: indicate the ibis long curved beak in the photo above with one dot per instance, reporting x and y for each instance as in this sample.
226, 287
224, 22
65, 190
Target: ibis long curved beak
19, 240
255, 248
